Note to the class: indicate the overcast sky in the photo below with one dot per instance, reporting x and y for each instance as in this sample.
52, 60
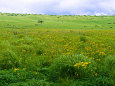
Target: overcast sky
59, 7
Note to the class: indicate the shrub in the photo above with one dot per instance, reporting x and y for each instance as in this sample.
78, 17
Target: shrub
8, 60
40, 21
83, 39
64, 67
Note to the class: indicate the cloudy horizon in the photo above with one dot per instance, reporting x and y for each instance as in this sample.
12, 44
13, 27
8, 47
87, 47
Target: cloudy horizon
59, 7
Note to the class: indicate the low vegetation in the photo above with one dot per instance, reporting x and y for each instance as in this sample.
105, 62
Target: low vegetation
29, 21
55, 57
32, 57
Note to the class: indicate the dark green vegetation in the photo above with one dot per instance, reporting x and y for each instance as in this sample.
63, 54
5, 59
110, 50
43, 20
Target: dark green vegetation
32, 53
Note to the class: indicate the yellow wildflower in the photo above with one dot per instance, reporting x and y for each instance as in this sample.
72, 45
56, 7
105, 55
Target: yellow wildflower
95, 74
23, 50
35, 72
98, 59
16, 69
24, 69
102, 53
82, 64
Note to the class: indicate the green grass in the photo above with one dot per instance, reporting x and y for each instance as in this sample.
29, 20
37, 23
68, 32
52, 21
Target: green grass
57, 53
25, 21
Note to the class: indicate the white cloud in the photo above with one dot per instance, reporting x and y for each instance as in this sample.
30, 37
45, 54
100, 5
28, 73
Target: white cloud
59, 6
108, 6
8, 10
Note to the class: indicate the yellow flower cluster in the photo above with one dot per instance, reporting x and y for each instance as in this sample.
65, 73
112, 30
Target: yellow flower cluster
16, 69
95, 74
53, 43
96, 49
83, 64
102, 53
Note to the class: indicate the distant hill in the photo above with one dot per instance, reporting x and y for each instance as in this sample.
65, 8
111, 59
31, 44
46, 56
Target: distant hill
26, 21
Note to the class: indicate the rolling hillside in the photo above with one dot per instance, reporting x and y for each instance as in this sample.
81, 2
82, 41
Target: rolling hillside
28, 21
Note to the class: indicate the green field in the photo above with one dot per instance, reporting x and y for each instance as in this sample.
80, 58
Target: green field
24, 21
56, 50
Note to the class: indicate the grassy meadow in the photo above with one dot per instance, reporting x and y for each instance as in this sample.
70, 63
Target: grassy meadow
56, 50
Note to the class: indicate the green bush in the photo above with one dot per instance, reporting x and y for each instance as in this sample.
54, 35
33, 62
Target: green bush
9, 60
64, 67
16, 77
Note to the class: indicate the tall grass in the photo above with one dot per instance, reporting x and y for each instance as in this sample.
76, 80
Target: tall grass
42, 57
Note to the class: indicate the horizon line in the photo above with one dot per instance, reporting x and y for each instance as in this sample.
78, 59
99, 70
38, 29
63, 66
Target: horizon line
59, 14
